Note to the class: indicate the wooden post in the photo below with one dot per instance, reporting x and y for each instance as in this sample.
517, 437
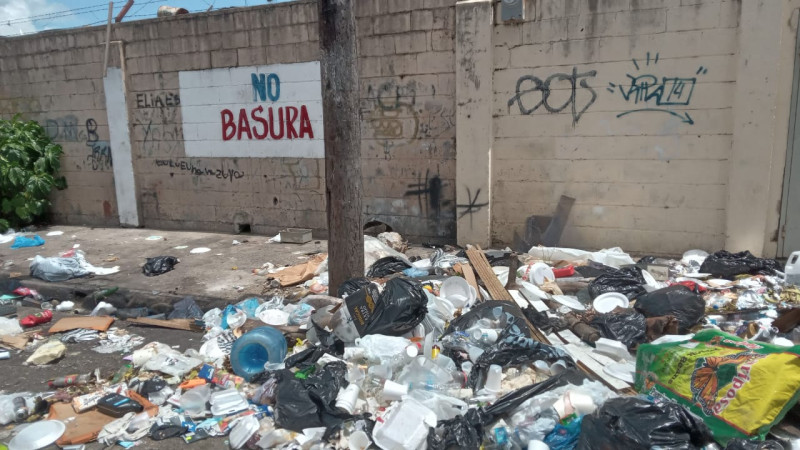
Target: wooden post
339, 67
108, 38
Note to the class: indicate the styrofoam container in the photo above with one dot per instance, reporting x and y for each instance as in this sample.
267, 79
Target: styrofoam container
405, 426
227, 402
242, 431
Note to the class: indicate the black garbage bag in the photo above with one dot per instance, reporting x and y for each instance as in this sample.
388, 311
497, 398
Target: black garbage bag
629, 327
628, 281
158, 265
748, 444
545, 324
678, 301
513, 349
352, 285
633, 423
488, 310
724, 264
311, 402
594, 269
400, 307
186, 308
328, 343
387, 266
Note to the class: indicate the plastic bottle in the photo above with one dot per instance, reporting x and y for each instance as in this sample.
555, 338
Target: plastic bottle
69, 380
21, 410
193, 401
256, 348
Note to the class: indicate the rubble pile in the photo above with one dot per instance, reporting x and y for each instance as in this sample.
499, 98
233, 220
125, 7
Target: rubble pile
556, 348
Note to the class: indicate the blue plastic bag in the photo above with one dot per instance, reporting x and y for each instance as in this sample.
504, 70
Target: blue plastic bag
25, 241
564, 437
249, 306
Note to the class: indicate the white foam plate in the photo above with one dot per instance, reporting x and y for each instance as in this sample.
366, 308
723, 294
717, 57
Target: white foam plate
605, 303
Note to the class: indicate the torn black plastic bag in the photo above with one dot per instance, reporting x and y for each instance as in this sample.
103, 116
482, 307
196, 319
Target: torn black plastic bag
465, 432
628, 281
400, 307
629, 327
387, 266
352, 285
679, 301
633, 423
747, 444
724, 264
158, 265
311, 402
513, 349
491, 311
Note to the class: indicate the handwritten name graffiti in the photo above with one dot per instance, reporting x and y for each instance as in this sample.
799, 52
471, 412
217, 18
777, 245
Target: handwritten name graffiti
100, 157
161, 130
530, 88
392, 117
157, 100
222, 173
66, 129
649, 93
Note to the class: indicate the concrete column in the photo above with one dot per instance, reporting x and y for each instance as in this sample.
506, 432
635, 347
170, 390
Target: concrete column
120, 140
474, 136
754, 135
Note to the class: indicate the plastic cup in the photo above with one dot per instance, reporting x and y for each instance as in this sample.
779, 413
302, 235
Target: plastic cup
558, 367
493, 378
358, 441
394, 391
536, 444
541, 366
466, 367
347, 398
581, 403
488, 335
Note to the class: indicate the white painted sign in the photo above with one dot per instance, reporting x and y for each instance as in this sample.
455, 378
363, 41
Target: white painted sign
258, 111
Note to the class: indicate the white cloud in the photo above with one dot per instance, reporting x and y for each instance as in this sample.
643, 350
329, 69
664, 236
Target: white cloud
11, 11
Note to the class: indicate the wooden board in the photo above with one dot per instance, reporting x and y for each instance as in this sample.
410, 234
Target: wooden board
485, 272
99, 323
518, 298
595, 368
175, 324
469, 275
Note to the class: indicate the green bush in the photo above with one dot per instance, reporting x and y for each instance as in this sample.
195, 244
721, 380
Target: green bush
28, 168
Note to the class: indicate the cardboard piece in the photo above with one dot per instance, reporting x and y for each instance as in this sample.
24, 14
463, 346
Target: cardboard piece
18, 342
300, 273
99, 323
81, 428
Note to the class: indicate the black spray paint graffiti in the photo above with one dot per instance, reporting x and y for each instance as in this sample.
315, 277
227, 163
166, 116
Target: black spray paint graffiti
535, 84
657, 95
159, 125
472, 206
65, 129
393, 117
428, 191
100, 157
188, 166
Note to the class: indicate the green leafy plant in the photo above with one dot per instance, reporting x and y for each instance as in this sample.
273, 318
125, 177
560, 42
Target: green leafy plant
29, 164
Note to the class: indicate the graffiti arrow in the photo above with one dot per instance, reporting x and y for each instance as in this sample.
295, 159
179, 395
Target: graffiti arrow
685, 117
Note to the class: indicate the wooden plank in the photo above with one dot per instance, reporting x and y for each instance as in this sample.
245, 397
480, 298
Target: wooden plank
485, 272
518, 298
175, 324
469, 275
595, 368
556, 339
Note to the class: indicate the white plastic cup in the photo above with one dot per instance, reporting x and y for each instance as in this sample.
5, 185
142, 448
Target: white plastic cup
474, 353
541, 366
558, 367
347, 398
535, 444
458, 291
466, 367
394, 391
487, 335
493, 378
581, 403
358, 441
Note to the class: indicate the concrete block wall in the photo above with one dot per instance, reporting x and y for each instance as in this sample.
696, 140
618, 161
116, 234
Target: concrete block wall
625, 105
408, 146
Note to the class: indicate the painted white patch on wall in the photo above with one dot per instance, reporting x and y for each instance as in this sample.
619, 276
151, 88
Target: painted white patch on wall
257, 111
119, 134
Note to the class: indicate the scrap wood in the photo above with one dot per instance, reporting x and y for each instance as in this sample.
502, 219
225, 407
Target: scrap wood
99, 323
594, 368
787, 320
469, 275
175, 324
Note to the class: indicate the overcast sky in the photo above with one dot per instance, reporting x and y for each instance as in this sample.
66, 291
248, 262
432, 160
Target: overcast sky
29, 16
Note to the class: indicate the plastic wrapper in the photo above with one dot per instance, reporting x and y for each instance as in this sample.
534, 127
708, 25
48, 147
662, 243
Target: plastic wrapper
186, 308
352, 285
498, 313
387, 266
628, 281
633, 423
159, 265
629, 327
564, 436
739, 388
614, 257
724, 264
678, 301
57, 269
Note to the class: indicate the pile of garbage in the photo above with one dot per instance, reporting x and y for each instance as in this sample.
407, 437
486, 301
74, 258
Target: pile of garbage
554, 349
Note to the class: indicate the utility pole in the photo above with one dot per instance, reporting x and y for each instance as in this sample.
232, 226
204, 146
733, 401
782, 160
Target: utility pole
340, 112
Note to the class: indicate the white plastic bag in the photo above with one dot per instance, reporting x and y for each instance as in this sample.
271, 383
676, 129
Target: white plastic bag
9, 326
613, 257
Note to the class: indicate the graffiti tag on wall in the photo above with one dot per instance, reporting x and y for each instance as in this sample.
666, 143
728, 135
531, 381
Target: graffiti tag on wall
66, 129
648, 92
532, 93
222, 173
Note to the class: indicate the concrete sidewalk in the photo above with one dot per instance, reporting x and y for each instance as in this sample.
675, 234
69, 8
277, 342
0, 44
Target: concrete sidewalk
220, 276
